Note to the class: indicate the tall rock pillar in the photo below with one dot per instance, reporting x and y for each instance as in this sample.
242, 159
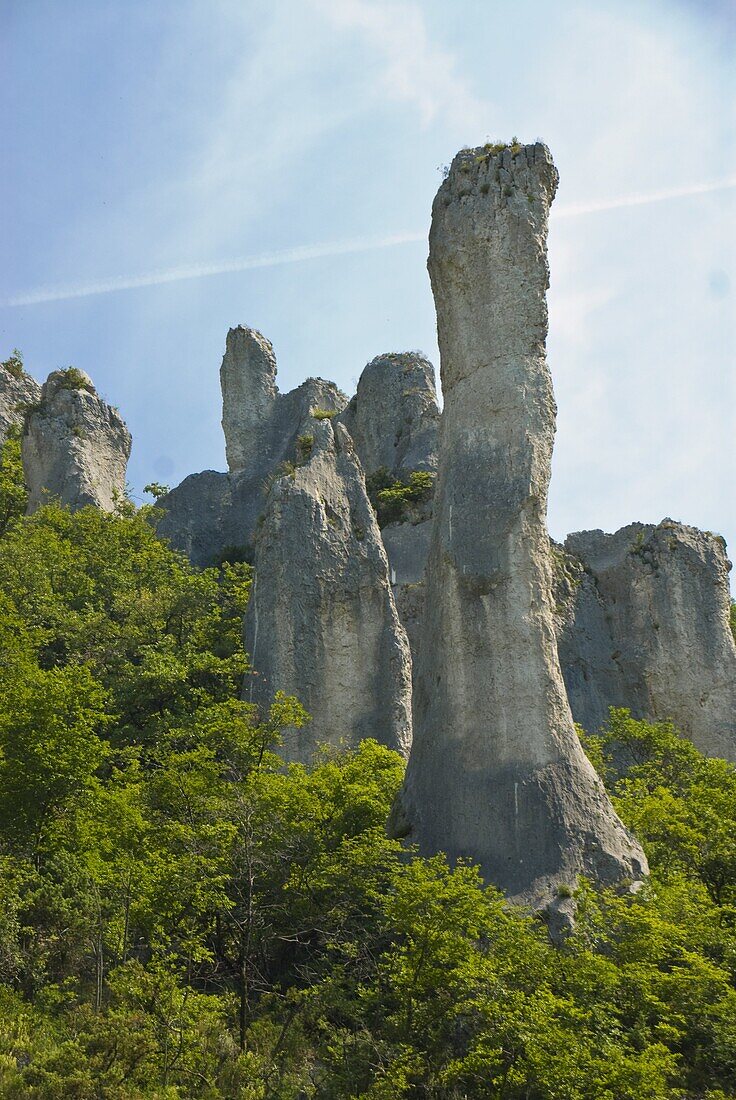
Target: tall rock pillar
496, 772
249, 393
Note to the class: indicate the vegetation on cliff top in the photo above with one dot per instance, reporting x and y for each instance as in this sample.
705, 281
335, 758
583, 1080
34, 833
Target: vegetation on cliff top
14, 363
395, 499
183, 916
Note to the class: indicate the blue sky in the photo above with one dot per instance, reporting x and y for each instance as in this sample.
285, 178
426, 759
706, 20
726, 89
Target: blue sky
143, 137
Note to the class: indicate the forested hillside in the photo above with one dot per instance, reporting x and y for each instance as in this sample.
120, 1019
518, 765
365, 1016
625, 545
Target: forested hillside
182, 916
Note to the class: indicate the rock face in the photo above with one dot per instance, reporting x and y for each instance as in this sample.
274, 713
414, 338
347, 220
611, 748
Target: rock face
18, 391
195, 517
321, 622
75, 446
211, 513
592, 678
393, 417
496, 772
647, 628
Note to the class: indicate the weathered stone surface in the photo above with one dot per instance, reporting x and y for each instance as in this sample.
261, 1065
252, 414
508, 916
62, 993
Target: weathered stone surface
17, 394
592, 678
321, 622
407, 546
496, 772
648, 629
212, 513
194, 517
393, 417
409, 600
75, 446
249, 392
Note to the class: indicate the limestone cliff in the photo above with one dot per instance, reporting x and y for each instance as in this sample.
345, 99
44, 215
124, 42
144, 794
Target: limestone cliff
75, 446
321, 622
496, 772
646, 627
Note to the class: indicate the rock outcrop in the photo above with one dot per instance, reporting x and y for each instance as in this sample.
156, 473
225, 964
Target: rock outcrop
75, 446
496, 772
644, 624
213, 513
393, 418
584, 644
18, 392
321, 622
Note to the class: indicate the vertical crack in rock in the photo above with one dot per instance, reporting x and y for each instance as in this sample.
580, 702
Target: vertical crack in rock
75, 446
321, 622
647, 628
496, 772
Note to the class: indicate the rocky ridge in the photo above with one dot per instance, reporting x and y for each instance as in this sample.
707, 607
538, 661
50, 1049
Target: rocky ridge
644, 623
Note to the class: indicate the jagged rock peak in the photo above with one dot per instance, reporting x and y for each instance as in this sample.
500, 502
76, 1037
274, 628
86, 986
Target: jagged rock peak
75, 446
254, 414
648, 628
496, 772
393, 417
212, 513
18, 391
321, 622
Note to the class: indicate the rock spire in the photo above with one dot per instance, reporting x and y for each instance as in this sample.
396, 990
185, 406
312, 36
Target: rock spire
496, 772
18, 392
393, 417
321, 622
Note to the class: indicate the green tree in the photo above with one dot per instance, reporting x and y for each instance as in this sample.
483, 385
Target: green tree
13, 493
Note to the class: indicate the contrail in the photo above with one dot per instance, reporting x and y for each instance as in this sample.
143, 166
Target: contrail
216, 267
330, 248
574, 209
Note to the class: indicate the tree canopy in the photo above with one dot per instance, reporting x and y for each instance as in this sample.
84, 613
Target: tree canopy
182, 915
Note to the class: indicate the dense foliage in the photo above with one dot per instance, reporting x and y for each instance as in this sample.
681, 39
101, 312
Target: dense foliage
395, 499
182, 916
